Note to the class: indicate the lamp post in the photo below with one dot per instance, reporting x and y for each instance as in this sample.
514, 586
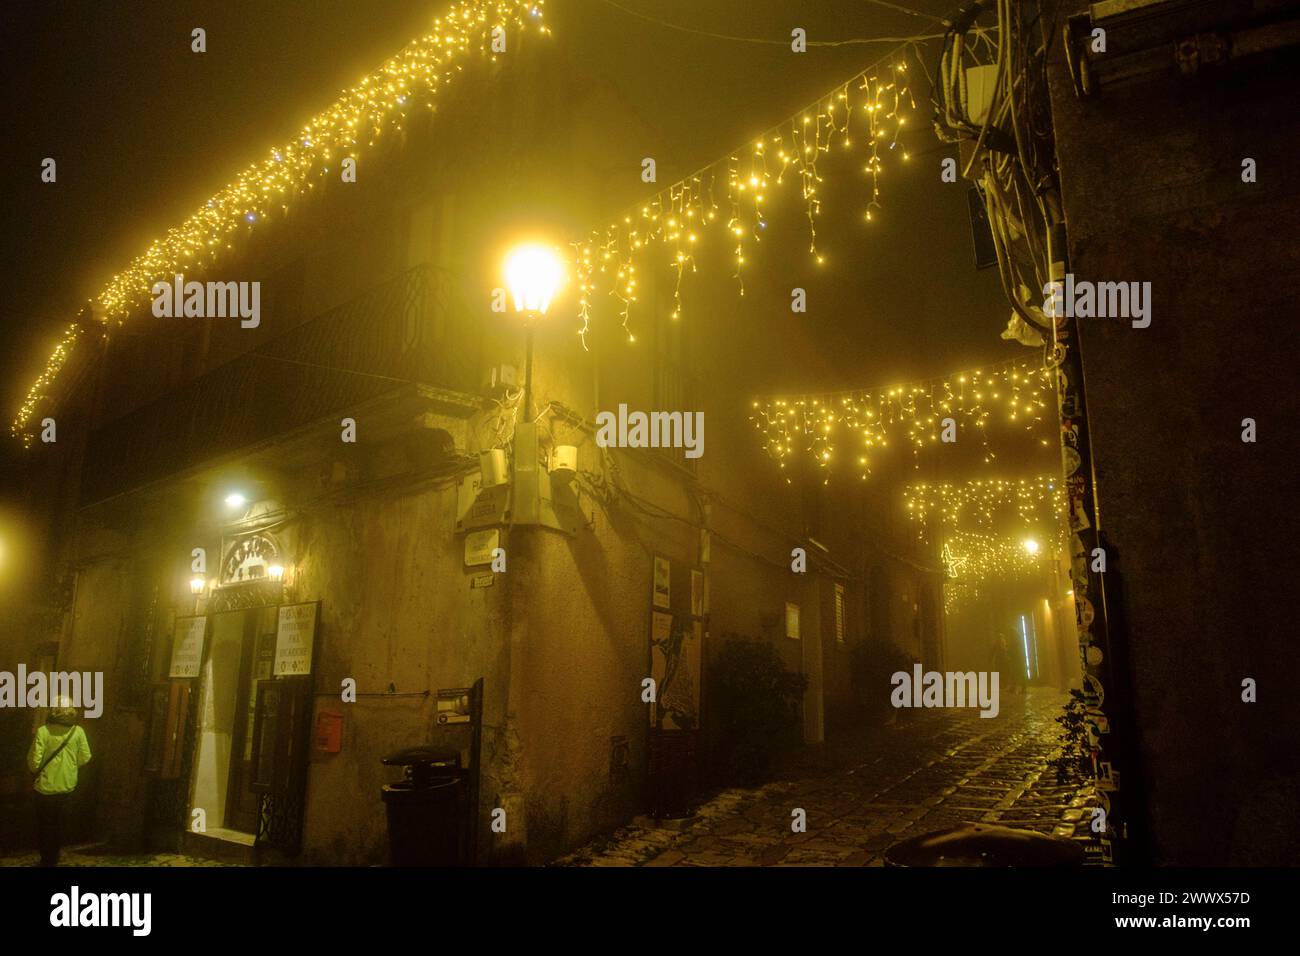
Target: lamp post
533, 274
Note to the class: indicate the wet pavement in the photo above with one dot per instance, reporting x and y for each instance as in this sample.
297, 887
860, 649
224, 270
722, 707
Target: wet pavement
930, 770
95, 854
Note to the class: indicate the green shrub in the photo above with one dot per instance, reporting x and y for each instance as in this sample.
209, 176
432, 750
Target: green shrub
754, 705
1073, 766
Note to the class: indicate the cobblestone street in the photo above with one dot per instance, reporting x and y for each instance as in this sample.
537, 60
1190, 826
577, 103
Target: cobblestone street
97, 855
931, 770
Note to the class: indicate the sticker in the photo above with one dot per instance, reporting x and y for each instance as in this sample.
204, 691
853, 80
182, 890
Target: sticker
1083, 612
662, 582
1093, 693
1070, 459
1078, 517
1078, 563
1098, 720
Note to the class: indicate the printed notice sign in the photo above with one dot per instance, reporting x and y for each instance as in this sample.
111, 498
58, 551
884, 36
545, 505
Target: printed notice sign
293, 639
187, 646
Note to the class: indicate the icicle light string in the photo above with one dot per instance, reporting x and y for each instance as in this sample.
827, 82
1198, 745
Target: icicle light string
856, 425
984, 502
733, 191
971, 559
406, 82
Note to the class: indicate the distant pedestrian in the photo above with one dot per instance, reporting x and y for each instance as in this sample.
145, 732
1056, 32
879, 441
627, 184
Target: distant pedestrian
59, 750
1006, 663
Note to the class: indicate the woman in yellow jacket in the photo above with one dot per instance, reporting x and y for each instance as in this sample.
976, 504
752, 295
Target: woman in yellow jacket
59, 749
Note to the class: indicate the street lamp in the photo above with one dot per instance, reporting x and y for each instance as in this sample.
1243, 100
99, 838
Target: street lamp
1031, 546
533, 274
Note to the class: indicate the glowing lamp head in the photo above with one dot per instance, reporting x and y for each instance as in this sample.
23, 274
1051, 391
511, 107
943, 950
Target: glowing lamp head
1031, 546
197, 585
275, 572
534, 273
235, 500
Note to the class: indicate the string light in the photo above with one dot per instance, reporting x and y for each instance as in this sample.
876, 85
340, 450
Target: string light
406, 82
858, 424
733, 192
971, 559
985, 502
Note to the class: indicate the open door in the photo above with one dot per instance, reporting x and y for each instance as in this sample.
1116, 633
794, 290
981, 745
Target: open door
242, 801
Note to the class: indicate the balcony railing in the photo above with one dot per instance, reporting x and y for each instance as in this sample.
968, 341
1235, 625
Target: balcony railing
391, 336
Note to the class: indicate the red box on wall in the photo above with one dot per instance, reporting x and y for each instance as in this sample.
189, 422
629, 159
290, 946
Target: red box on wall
329, 731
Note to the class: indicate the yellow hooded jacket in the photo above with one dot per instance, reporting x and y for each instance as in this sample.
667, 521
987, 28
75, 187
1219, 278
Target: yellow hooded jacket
60, 775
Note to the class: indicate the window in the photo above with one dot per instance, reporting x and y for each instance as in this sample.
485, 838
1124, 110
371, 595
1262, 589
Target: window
675, 386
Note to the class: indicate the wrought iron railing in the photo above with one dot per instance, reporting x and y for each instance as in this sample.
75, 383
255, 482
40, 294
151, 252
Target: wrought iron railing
392, 335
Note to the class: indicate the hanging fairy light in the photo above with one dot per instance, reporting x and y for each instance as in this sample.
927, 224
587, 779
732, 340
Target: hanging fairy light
733, 192
986, 503
972, 560
383, 100
856, 425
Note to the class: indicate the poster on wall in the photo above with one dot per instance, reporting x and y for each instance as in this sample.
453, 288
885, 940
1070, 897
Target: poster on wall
675, 658
662, 582
698, 607
294, 636
187, 646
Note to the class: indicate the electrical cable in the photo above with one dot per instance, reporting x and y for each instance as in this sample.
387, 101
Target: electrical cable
763, 40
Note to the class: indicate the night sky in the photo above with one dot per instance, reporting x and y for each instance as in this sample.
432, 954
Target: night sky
144, 130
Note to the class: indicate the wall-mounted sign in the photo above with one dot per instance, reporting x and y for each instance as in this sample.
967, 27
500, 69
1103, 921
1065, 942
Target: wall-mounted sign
247, 558
479, 546
453, 706
662, 582
294, 635
329, 731
187, 646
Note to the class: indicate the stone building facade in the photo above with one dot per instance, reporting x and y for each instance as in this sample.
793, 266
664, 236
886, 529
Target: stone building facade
376, 317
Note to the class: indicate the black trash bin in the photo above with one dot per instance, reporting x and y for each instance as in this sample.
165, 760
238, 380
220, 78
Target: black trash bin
984, 845
426, 823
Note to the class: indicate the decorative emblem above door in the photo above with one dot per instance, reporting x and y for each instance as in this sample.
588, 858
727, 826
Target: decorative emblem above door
247, 558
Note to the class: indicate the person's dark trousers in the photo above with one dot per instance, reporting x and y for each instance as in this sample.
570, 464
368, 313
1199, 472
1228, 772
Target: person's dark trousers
50, 809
